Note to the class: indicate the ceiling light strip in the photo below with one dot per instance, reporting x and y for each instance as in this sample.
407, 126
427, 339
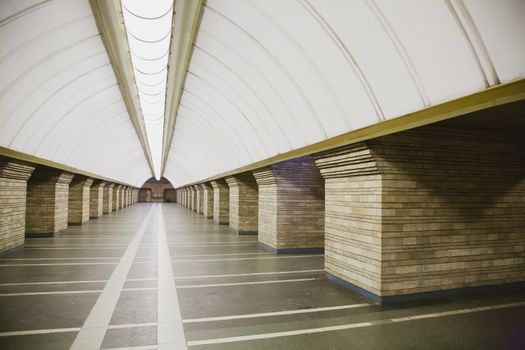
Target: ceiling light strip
147, 23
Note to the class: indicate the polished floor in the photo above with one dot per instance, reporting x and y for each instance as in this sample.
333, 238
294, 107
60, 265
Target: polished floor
160, 276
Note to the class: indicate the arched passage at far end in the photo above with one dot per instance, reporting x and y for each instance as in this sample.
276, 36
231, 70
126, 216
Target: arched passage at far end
155, 191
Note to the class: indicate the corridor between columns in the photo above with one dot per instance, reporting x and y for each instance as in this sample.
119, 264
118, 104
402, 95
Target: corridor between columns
160, 276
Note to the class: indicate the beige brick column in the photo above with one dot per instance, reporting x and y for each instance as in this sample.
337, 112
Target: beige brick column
116, 197
125, 194
193, 198
108, 198
425, 210
47, 202
186, 197
207, 200
198, 198
78, 201
243, 203
121, 198
96, 199
13, 190
291, 206
221, 202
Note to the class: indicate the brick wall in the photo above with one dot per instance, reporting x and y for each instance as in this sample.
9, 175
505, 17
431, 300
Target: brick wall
221, 201
193, 199
198, 199
108, 198
207, 190
243, 203
47, 201
96, 199
291, 205
424, 210
78, 199
13, 189
116, 197
170, 195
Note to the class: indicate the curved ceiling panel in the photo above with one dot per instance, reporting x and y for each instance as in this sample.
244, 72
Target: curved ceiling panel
270, 76
59, 96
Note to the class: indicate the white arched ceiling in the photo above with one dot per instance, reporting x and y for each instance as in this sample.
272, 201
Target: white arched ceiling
59, 98
270, 76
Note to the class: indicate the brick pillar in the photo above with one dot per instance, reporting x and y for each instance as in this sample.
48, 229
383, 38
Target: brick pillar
221, 202
121, 198
13, 190
186, 197
47, 202
193, 198
243, 203
198, 198
116, 197
96, 199
78, 201
291, 206
125, 196
425, 210
207, 200
108, 198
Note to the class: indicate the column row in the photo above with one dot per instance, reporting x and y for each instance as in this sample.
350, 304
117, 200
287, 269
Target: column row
406, 215
38, 201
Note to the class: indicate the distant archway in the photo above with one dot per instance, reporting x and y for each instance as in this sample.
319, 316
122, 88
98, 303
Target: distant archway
154, 190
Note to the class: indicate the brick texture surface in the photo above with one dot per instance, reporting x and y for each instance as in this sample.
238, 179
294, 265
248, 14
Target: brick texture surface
221, 201
47, 201
291, 205
116, 197
243, 202
96, 199
207, 198
108, 198
198, 199
424, 210
13, 190
78, 199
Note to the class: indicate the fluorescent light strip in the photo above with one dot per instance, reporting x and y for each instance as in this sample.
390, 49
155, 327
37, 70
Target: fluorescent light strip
148, 27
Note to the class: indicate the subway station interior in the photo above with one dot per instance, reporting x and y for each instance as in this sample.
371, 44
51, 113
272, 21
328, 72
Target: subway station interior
262, 174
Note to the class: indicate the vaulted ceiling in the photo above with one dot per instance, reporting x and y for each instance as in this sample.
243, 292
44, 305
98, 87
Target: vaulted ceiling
243, 80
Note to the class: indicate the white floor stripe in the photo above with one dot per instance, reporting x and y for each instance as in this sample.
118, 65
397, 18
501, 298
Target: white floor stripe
225, 254
170, 332
71, 292
132, 325
72, 248
247, 274
70, 282
349, 326
39, 331
140, 347
245, 283
73, 264
51, 259
211, 245
94, 328
240, 259
275, 313
60, 264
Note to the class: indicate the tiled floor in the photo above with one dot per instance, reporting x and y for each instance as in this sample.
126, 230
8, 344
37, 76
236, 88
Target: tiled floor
106, 284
